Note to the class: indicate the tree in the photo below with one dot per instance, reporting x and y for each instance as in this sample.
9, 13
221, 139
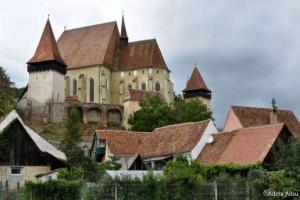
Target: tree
7, 93
73, 126
153, 113
192, 111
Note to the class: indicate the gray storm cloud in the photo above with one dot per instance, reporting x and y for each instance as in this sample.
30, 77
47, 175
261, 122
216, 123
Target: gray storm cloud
247, 51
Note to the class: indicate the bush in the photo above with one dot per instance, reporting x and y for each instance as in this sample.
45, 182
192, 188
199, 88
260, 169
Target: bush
53, 189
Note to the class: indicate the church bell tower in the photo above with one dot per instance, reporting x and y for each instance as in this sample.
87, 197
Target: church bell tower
46, 71
196, 88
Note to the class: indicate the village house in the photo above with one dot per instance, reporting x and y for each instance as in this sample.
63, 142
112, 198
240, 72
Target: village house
244, 146
243, 117
156, 147
25, 154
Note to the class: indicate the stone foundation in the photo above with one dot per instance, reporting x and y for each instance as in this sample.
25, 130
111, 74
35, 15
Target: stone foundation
105, 114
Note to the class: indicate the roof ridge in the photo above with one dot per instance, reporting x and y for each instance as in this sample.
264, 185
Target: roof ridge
181, 124
263, 126
264, 108
122, 131
93, 25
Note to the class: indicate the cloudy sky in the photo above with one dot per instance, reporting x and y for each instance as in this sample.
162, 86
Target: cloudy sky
247, 51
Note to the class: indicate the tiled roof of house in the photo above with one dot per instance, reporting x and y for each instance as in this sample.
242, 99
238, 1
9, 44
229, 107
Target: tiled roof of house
47, 49
122, 142
141, 54
138, 95
196, 82
168, 140
252, 116
174, 139
90, 45
243, 146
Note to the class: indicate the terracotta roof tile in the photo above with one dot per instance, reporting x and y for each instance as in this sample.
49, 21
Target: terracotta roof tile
243, 146
163, 141
122, 142
47, 49
90, 45
141, 54
252, 116
138, 95
174, 139
196, 82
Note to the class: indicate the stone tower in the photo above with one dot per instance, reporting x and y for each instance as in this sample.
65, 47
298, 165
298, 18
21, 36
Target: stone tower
197, 89
46, 71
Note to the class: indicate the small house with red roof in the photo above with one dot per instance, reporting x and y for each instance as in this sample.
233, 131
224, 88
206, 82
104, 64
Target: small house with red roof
156, 147
244, 146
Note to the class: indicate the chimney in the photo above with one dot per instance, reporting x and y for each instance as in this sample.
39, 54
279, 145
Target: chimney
273, 117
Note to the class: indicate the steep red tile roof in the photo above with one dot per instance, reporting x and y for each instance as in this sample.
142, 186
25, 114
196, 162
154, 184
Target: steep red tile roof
174, 139
196, 82
141, 54
243, 146
90, 45
47, 49
168, 140
138, 95
252, 116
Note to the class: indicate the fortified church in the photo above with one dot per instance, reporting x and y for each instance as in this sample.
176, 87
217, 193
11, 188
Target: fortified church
98, 70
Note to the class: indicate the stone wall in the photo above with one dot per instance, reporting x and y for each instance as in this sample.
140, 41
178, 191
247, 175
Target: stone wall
106, 115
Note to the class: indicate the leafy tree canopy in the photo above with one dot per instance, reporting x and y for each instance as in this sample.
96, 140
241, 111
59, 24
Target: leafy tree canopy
154, 113
7, 93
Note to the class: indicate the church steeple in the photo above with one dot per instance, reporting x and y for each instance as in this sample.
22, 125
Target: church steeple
123, 37
47, 55
197, 88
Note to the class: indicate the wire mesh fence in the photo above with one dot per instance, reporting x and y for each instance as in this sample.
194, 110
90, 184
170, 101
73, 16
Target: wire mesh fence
205, 191
7, 193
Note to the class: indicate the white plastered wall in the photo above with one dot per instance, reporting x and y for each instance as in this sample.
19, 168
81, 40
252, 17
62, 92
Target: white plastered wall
206, 138
45, 86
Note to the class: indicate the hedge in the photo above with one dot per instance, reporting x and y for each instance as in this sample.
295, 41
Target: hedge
53, 189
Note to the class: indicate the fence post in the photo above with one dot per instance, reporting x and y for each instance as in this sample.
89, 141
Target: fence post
216, 189
248, 190
18, 189
6, 189
116, 191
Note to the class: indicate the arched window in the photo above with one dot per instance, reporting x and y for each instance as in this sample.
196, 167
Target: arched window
91, 90
74, 87
143, 86
129, 86
157, 87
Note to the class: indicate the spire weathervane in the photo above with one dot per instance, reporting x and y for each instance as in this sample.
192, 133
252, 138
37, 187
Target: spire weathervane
48, 16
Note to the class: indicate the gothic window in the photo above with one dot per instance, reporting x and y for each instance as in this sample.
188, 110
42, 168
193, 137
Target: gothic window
157, 87
143, 86
91, 90
74, 87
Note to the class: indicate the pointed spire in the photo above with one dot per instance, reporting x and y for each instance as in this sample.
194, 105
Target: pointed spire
47, 49
123, 37
196, 82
